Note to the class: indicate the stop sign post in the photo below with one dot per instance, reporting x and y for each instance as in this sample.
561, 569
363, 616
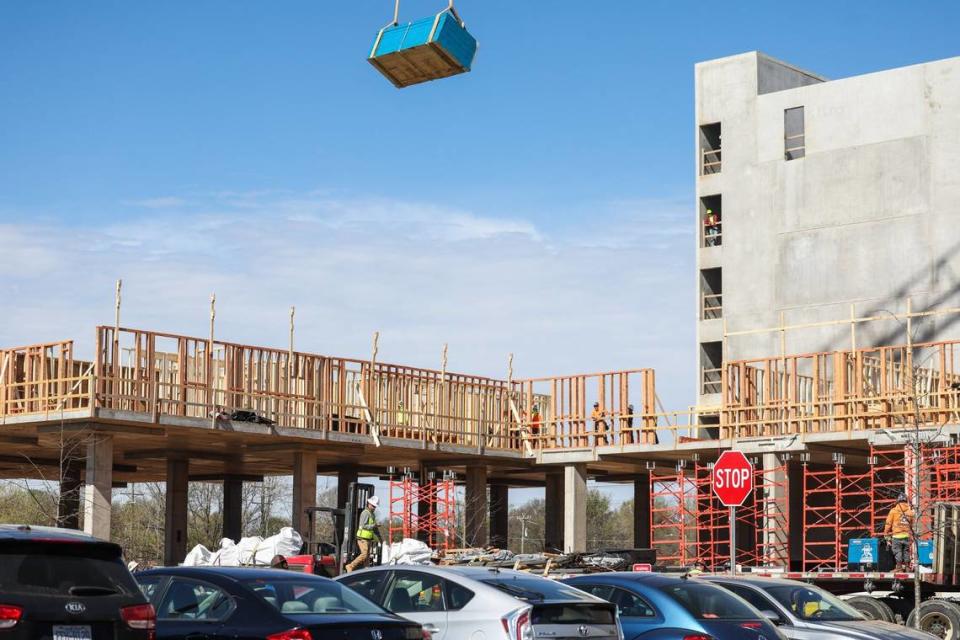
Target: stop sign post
732, 480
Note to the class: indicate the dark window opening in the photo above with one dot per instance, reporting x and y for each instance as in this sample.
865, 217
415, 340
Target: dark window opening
710, 149
794, 134
711, 294
711, 363
711, 213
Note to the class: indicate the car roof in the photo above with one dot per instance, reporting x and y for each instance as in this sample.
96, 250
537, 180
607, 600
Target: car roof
233, 573
473, 573
641, 577
484, 575
29, 533
755, 582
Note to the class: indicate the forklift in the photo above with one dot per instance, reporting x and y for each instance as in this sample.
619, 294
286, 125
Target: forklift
329, 558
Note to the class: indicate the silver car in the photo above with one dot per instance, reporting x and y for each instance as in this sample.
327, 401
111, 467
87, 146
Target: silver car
805, 612
471, 603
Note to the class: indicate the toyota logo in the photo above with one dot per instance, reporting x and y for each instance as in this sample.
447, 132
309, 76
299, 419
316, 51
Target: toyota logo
75, 608
376, 634
583, 631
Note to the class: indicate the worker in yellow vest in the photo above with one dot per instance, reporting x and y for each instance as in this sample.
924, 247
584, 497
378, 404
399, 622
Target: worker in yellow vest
898, 531
368, 534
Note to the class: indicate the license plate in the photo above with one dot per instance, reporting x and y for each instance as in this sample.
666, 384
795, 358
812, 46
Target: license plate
72, 632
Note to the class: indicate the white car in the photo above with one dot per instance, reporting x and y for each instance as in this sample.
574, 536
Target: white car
482, 603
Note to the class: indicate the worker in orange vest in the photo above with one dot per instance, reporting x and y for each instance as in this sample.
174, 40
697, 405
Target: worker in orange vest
600, 426
898, 531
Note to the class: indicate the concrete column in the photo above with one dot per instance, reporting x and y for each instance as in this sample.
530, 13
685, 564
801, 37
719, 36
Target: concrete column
97, 491
783, 519
304, 490
232, 508
553, 511
795, 495
175, 521
476, 506
71, 487
574, 508
423, 507
499, 514
345, 475
641, 511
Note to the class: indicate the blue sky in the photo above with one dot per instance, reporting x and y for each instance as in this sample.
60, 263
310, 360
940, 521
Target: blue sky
541, 204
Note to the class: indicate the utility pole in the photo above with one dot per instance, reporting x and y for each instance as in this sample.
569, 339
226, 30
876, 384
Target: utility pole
524, 519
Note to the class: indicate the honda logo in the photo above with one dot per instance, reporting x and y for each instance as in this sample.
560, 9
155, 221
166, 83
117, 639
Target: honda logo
376, 634
583, 631
75, 608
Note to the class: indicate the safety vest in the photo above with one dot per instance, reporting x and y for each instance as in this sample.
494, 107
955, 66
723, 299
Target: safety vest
367, 524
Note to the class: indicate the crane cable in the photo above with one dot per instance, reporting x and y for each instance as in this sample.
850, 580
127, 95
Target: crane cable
396, 12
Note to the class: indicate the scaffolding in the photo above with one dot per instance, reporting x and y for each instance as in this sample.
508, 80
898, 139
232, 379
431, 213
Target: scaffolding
425, 511
673, 517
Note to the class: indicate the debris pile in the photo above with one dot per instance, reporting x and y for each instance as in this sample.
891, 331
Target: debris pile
254, 551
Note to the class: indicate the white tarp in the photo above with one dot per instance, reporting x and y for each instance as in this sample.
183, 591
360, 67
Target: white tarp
409, 551
249, 551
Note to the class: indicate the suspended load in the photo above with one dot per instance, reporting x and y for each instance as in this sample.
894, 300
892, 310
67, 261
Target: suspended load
424, 50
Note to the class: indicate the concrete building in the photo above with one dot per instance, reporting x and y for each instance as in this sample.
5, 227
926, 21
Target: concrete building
831, 199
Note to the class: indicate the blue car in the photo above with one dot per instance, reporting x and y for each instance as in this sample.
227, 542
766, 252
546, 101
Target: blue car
656, 606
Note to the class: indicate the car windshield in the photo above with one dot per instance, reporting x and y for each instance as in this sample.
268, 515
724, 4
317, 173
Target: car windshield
535, 589
310, 595
709, 602
63, 568
811, 603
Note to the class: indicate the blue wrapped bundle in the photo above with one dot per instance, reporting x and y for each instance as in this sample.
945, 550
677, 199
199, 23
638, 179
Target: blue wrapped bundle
424, 50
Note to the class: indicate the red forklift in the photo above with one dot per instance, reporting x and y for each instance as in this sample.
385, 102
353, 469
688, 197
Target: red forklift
328, 558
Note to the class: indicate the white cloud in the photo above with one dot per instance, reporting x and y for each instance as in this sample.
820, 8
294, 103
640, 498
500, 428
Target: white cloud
613, 290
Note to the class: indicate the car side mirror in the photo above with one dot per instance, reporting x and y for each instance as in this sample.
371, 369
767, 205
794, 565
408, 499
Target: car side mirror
772, 616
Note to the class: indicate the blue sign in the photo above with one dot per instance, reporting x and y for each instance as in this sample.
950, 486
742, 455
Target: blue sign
863, 551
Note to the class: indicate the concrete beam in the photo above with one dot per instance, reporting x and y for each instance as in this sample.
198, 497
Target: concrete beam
304, 490
575, 508
553, 511
641, 511
476, 506
175, 516
98, 486
233, 508
499, 514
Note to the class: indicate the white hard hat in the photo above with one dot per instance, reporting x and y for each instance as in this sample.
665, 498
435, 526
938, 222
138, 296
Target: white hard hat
373, 501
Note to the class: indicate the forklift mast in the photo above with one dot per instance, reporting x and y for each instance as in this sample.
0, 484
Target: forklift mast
344, 544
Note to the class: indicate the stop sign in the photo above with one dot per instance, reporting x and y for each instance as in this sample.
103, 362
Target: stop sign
732, 478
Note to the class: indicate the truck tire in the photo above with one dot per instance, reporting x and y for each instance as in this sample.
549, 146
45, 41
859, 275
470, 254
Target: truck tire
872, 608
938, 617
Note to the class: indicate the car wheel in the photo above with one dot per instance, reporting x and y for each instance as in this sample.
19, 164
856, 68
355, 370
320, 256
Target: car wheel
937, 617
872, 609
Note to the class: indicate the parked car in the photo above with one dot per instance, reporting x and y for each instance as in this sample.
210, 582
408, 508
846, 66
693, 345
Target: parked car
59, 584
669, 607
459, 603
803, 611
239, 603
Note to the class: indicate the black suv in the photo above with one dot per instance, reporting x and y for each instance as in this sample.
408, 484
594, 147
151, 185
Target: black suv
57, 584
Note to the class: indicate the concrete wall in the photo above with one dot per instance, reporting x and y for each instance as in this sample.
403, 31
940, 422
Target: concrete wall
869, 217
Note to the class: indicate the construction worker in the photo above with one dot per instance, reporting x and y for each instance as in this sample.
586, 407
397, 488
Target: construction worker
898, 531
711, 223
600, 426
535, 423
368, 534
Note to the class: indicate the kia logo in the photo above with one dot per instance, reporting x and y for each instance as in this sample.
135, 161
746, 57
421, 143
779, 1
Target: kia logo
75, 608
583, 631
376, 634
